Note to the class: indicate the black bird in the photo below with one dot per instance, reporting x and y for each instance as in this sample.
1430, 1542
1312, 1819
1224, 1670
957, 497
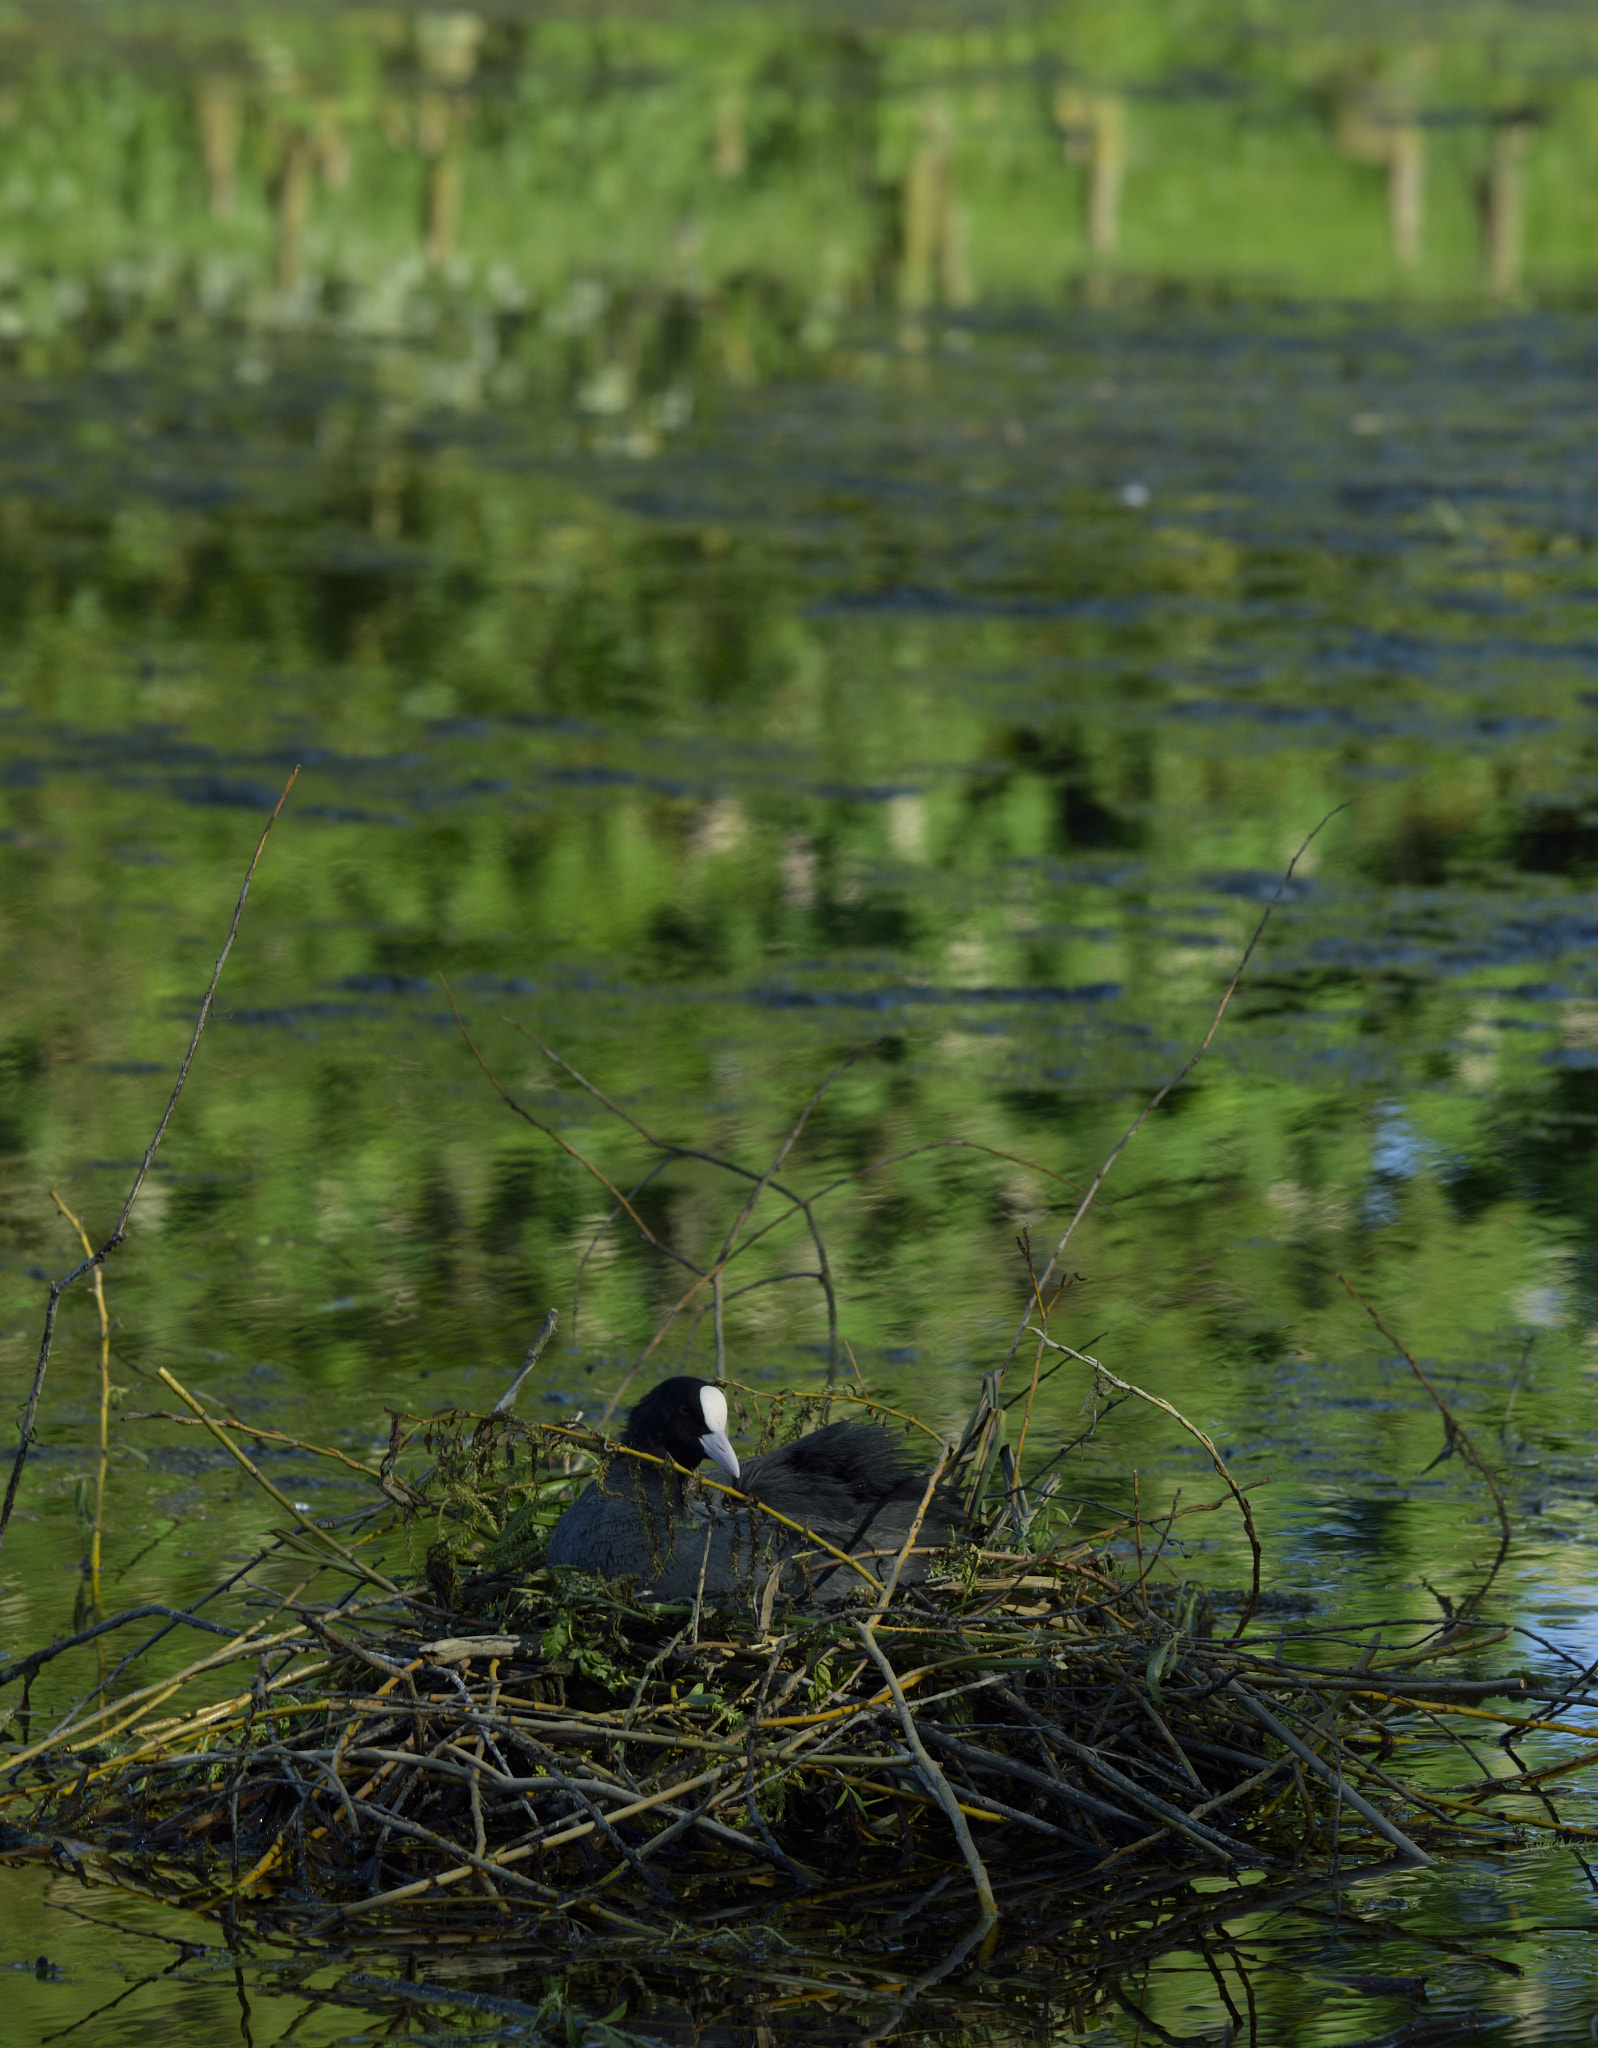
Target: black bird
850, 1484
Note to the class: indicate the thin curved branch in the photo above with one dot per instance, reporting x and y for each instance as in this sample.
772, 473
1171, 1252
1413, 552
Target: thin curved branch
98, 1259
1170, 1086
1126, 1388
1458, 1438
571, 1150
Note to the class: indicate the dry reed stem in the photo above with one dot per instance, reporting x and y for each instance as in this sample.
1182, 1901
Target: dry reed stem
97, 1259
799, 1205
890, 1584
261, 1433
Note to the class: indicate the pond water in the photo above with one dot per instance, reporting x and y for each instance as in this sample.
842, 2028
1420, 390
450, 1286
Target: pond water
772, 540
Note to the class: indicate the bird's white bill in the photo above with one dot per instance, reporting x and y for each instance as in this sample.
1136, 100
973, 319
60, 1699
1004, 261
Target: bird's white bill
714, 1443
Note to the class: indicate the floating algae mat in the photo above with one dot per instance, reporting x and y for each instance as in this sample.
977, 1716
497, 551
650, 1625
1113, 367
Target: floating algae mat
985, 1794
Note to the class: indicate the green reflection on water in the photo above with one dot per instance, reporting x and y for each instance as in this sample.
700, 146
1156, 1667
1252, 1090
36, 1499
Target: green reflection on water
754, 557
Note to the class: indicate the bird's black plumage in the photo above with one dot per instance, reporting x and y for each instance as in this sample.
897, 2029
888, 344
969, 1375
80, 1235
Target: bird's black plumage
850, 1484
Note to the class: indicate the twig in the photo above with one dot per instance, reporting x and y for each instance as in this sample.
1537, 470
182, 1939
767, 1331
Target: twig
97, 1259
363, 1570
936, 1783
1458, 1438
103, 1467
25, 1667
1333, 1779
535, 1351
1238, 1494
588, 1166
1175, 1082
890, 1584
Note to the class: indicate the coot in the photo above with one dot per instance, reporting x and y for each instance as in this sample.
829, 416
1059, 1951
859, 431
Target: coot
853, 1485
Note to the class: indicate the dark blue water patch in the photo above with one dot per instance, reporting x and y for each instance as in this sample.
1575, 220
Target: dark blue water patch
218, 793
1581, 1059
1338, 717
195, 493
346, 814
286, 1016
1451, 939
1258, 885
364, 554
595, 775
431, 799
1366, 651
918, 600
904, 996
387, 984
866, 793
1502, 725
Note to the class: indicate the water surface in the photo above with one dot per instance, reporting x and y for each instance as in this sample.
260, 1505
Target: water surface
717, 646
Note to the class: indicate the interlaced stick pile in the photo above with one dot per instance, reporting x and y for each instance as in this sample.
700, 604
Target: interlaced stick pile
495, 1752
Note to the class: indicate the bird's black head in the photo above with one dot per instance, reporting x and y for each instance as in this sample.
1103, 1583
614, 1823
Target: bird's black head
685, 1419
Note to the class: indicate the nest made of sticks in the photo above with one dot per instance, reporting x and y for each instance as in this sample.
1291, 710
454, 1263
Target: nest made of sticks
504, 1732
468, 1746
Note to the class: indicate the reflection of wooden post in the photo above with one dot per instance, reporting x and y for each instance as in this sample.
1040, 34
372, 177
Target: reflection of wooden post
441, 205
1376, 127
446, 48
1106, 173
732, 146
1503, 209
333, 157
1093, 133
934, 264
292, 198
1406, 190
217, 110
925, 178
